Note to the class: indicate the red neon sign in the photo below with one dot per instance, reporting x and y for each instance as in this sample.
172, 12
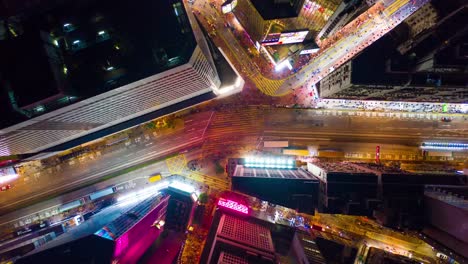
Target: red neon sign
233, 205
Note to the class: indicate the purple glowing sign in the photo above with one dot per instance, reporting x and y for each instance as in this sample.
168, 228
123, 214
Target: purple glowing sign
232, 205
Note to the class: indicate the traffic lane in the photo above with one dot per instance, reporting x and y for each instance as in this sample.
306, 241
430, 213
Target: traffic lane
355, 137
80, 172
138, 177
105, 161
326, 56
375, 30
191, 130
81, 178
382, 241
292, 117
385, 243
196, 124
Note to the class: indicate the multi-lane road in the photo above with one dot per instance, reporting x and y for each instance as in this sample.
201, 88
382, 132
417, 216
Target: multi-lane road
71, 174
232, 129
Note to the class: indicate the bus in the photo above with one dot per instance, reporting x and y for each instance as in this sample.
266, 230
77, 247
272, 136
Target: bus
437, 153
296, 152
71, 205
102, 193
330, 153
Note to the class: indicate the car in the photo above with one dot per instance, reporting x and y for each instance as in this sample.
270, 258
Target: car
5, 187
446, 119
442, 255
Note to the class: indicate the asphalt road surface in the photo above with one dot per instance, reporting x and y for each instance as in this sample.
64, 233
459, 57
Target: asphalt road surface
78, 172
232, 126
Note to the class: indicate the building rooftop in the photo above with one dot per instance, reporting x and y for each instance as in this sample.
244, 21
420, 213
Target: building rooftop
268, 9
85, 48
245, 232
227, 258
108, 224
124, 222
242, 171
339, 167
454, 195
311, 251
381, 168
369, 67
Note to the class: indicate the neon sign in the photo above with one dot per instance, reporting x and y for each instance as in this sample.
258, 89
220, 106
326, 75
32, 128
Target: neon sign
285, 38
233, 205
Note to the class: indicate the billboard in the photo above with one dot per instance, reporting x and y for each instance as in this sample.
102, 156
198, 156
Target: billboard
285, 38
233, 205
228, 6
309, 51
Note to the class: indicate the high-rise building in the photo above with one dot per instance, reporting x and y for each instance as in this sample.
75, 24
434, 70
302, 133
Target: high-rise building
236, 238
446, 215
261, 18
345, 13
390, 194
124, 239
424, 61
437, 76
344, 187
294, 188
108, 65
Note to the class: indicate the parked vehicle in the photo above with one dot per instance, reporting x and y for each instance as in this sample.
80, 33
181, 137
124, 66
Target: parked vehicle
5, 187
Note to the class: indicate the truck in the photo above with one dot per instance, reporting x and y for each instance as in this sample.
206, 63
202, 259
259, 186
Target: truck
317, 227
70, 205
275, 144
330, 153
296, 152
438, 153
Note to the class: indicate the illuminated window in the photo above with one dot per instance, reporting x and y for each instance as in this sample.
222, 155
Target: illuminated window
273, 163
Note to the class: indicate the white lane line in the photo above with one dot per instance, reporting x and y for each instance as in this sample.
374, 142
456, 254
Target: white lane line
99, 174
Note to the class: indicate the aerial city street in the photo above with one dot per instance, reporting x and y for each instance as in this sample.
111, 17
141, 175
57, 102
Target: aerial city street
234, 131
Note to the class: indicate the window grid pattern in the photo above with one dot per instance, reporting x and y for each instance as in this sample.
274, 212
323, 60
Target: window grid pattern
247, 233
226, 258
126, 221
272, 173
118, 105
203, 67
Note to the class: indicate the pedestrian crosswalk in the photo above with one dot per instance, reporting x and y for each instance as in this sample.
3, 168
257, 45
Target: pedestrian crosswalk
220, 183
267, 86
176, 164
395, 6
230, 126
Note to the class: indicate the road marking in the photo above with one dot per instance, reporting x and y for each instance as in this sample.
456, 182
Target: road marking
176, 164
108, 171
